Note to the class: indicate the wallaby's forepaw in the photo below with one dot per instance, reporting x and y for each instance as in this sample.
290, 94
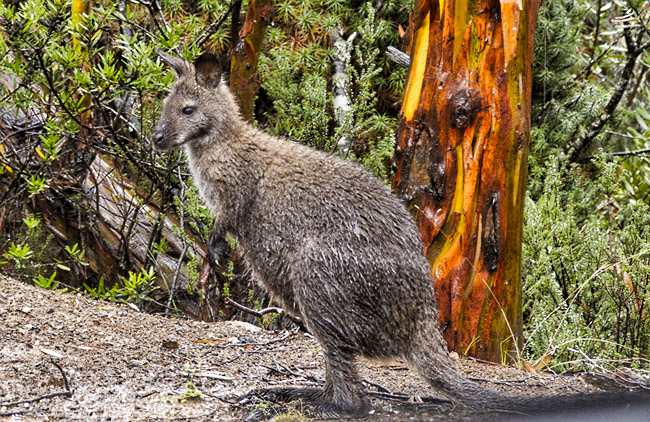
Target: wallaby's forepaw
307, 401
218, 250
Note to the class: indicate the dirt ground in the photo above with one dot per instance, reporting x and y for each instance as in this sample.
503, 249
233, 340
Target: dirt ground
119, 364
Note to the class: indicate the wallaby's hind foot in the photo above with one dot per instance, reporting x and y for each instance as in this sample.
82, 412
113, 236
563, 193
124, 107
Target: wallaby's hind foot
309, 401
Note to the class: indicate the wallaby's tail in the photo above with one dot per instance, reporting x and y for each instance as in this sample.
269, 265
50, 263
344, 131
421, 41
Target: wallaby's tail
428, 355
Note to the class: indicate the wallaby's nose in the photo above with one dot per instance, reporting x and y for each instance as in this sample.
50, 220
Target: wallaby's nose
157, 138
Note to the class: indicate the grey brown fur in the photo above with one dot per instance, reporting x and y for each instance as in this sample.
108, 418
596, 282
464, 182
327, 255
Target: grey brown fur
327, 239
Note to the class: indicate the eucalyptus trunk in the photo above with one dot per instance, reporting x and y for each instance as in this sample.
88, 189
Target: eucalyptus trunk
461, 162
244, 79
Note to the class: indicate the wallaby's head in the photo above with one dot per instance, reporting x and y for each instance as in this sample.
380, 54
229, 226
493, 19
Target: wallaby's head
191, 111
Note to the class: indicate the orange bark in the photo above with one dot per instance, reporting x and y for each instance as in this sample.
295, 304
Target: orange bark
244, 79
461, 162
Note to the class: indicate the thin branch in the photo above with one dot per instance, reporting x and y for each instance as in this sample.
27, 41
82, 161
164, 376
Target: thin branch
20, 412
409, 398
592, 62
597, 29
65, 378
35, 399
66, 393
53, 89
201, 39
152, 6
181, 219
584, 141
262, 312
628, 153
398, 56
286, 371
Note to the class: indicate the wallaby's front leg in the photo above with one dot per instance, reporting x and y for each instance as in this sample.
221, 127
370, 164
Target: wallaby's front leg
218, 247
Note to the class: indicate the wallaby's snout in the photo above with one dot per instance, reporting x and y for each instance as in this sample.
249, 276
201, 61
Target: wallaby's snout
158, 139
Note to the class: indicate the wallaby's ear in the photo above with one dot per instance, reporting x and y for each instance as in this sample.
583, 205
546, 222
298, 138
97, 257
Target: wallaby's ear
180, 66
207, 70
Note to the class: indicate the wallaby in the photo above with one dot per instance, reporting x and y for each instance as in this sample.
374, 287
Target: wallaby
326, 238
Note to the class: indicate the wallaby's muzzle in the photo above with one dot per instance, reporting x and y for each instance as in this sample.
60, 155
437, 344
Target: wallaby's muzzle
157, 139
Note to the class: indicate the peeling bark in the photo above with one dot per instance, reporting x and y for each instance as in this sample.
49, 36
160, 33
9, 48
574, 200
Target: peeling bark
340, 86
461, 162
244, 79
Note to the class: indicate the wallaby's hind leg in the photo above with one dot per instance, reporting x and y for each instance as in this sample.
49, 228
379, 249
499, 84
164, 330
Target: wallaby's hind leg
342, 395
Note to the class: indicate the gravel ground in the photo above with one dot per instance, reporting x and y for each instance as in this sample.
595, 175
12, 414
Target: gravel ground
68, 357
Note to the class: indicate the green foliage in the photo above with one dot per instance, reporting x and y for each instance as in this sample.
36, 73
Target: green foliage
190, 393
365, 122
563, 105
70, 95
586, 270
36, 184
46, 283
136, 288
30, 246
18, 254
225, 291
296, 67
302, 105
75, 253
586, 243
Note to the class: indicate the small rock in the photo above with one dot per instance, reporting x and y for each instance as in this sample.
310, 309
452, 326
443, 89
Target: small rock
170, 343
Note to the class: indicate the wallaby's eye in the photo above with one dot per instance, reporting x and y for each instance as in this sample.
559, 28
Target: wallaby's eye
188, 111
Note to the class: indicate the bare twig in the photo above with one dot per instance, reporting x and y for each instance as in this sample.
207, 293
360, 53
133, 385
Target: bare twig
398, 56
634, 50
628, 153
505, 382
20, 412
201, 39
66, 393
407, 397
211, 376
262, 312
588, 359
258, 314
35, 399
377, 386
65, 378
284, 370
181, 220
234, 24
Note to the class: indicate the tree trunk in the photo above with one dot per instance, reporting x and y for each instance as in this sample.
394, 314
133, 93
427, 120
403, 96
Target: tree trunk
244, 79
461, 162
